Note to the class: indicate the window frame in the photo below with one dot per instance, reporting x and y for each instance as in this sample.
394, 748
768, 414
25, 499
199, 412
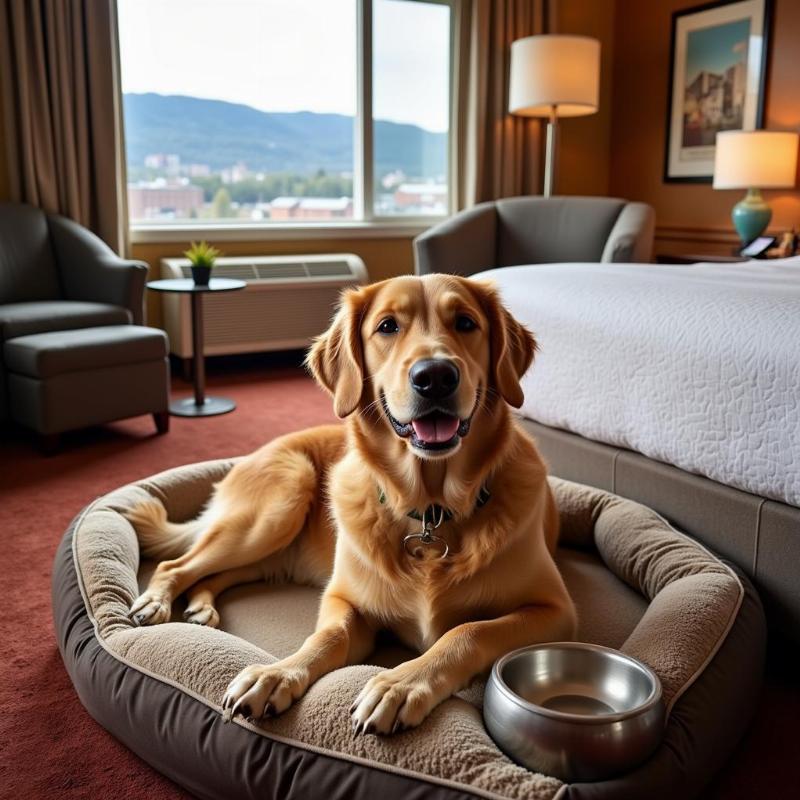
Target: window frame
365, 223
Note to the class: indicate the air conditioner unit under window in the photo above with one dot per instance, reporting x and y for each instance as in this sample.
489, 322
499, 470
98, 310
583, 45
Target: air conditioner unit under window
288, 301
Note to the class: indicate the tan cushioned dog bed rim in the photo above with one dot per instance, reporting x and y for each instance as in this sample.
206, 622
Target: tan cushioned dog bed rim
158, 689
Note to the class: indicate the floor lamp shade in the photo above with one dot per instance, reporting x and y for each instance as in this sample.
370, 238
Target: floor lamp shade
554, 76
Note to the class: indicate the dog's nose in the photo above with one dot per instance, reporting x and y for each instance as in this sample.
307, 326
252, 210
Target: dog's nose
434, 378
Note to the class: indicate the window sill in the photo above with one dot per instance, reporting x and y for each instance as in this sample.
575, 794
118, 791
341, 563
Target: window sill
401, 229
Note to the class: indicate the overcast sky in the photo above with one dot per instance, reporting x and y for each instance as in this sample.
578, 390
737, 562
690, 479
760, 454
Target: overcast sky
288, 55
716, 48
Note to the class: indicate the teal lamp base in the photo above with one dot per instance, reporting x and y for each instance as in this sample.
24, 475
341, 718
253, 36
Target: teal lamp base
751, 216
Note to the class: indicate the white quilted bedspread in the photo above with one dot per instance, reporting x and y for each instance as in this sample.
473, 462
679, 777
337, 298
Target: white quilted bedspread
697, 366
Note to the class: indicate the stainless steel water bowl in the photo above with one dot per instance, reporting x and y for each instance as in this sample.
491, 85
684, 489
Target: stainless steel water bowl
579, 712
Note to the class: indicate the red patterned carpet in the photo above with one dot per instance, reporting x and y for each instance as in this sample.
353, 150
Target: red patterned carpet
49, 746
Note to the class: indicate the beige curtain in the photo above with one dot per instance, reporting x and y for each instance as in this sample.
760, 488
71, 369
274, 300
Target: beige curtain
61, 105
497, 155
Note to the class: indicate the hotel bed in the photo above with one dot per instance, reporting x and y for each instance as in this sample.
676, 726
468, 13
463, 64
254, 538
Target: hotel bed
678, 386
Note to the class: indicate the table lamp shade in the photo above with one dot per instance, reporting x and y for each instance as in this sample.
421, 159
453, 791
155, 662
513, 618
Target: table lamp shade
554, 73
759, 159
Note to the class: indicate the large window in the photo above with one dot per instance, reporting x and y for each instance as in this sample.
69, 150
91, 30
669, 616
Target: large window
411, 106
285, 111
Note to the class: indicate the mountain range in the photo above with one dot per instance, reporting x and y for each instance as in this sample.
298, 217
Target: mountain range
221, 134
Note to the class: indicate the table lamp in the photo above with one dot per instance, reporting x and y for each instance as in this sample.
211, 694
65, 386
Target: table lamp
554, 76
754, 160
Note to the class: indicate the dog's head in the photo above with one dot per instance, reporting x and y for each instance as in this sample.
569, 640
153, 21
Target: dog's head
423, 355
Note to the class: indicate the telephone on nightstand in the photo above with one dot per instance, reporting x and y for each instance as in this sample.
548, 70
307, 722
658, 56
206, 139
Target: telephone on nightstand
759, 247
782, 246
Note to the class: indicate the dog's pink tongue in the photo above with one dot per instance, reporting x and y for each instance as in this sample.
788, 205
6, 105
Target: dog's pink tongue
435, 428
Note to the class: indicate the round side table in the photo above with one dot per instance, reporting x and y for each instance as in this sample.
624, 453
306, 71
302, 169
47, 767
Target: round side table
199, 405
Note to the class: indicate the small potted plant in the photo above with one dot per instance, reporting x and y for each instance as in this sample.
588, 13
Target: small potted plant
202, 257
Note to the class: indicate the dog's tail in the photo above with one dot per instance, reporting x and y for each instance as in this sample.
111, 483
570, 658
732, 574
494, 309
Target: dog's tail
159, 538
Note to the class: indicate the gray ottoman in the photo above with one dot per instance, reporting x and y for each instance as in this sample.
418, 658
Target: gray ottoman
64, 380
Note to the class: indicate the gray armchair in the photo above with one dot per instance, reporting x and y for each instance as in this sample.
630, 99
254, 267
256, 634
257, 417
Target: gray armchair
537, 230
67, 304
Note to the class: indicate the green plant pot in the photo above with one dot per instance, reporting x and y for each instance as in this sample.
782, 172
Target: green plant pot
201, 275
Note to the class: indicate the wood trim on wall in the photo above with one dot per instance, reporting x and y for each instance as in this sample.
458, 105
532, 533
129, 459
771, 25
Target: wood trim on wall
684, 239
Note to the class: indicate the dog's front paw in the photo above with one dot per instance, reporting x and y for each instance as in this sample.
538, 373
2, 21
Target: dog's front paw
392, 701
263, 690
199, 613
151, 609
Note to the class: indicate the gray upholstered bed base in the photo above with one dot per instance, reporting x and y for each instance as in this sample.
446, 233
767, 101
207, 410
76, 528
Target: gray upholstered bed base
761, 536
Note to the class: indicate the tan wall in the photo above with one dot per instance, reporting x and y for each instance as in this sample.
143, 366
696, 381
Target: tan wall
691, 218
583, 161
384, 258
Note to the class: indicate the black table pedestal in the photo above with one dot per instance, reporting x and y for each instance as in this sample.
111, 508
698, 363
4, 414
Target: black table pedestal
199, 405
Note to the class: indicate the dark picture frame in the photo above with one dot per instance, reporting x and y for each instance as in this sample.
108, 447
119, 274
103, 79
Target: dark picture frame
711, 85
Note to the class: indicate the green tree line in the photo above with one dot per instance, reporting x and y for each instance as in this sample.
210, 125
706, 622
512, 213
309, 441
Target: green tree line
277, 184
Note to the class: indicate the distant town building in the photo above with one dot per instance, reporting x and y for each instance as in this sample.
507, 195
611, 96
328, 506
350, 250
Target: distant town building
170, 165
198, 170
173, 166
238, 172
155, 160
259, 212
165, 162
424, 197
161, 200
283, 208
392, 179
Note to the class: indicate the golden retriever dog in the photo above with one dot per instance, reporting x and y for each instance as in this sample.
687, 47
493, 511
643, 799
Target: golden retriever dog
427, 513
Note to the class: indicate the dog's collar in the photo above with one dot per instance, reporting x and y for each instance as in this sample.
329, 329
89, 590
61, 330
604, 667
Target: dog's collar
437, 512
431, 518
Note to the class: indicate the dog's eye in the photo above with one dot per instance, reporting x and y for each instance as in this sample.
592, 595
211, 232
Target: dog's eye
465, 324
388, 326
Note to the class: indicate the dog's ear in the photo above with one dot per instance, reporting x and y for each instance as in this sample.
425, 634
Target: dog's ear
512, 346
335, 359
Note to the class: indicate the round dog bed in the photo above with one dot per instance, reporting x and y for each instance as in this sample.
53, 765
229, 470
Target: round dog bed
639, 586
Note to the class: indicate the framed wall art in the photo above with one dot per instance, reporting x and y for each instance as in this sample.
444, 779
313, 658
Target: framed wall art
716, 83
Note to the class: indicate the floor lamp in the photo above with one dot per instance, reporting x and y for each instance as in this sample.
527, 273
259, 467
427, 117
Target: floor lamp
554, 76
